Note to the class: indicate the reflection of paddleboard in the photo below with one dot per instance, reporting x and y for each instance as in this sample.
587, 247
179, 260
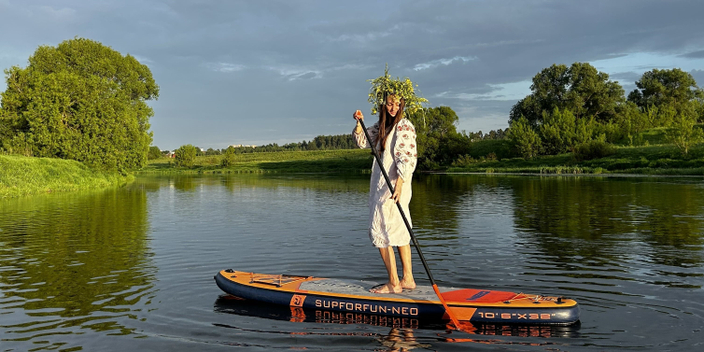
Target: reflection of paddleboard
232, 305
353, 296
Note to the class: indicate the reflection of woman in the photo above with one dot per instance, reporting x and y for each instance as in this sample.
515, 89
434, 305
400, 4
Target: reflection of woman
401, 340
394, 138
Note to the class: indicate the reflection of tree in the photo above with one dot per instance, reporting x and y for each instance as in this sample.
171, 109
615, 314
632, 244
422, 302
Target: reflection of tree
76, 255
598, 218
184, 183
432, 206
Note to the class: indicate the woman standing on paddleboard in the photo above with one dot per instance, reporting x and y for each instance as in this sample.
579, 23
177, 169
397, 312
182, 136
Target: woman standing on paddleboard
394, 137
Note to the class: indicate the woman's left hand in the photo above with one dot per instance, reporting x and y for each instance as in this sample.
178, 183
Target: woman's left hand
397, 190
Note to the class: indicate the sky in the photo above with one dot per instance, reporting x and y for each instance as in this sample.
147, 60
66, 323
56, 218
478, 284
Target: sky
266, 71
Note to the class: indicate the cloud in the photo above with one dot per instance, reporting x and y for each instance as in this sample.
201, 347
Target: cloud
443, 62
297, 74
224, 67
143, 60
645, 61
694, 55
504, 91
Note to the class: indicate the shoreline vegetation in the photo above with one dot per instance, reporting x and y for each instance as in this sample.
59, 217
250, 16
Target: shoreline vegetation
656, 159
654, 156
644, 160
310, 161
23, 176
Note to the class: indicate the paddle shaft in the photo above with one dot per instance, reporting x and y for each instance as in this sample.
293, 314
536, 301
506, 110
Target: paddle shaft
408, 225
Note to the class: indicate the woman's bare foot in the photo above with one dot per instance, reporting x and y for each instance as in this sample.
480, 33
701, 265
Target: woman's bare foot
386, 288
408, 284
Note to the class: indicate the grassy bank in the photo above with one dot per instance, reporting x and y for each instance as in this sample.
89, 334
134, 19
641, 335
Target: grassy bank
319, 161
21, 176
659, 159
647, 160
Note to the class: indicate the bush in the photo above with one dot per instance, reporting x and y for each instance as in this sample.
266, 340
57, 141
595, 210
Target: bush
524, 138
185, 156
228, 157
593, 149
154, 153
463, 160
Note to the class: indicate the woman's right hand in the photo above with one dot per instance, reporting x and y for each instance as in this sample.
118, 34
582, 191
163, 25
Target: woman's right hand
358, 115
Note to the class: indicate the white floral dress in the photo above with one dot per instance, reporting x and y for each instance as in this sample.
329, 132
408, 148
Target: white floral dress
386, 226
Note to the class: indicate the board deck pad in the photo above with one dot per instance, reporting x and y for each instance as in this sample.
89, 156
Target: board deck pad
420, 293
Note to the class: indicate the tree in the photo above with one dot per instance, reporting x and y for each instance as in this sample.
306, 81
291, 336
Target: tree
80, 100
524, 138
665, 87
185, 156
561, 131
154, 153
579, 88
228, 157
682, 132
437, 139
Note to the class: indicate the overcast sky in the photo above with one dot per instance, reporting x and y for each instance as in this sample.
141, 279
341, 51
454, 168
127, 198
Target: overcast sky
260, 72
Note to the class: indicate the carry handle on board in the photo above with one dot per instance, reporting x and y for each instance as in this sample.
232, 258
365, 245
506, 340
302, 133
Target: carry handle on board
408, 226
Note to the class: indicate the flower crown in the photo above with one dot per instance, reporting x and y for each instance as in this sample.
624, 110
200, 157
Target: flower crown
383, 86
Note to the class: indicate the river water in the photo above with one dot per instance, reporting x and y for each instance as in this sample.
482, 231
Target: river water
131, 269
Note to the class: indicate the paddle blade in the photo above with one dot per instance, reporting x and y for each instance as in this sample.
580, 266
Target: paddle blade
447, 309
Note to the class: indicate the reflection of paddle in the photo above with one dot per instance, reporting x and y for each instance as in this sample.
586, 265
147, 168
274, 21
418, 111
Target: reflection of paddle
408, 226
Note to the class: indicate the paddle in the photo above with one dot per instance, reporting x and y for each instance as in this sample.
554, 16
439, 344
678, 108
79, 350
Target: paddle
408, 226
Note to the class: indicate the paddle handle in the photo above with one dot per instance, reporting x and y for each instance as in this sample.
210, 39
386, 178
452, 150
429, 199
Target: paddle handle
408, 225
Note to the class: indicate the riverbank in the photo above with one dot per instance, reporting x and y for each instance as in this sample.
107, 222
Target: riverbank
317, 161
661, 159
23, 176
642, 160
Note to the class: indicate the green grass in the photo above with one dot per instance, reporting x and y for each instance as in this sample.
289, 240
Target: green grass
319, 161
650, 160
22, 176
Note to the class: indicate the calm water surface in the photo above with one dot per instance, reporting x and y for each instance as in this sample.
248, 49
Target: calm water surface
132, 268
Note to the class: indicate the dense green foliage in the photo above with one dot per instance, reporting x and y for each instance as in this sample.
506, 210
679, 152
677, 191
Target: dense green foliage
438, 141
228, 157
579, 110
154, 153
185, 156
82, 101
579, 88
525, 139
674, 88
21, 176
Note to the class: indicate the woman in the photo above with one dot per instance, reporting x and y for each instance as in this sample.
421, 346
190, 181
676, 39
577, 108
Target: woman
394, 138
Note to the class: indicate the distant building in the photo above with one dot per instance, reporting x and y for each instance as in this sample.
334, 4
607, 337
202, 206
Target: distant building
242, 146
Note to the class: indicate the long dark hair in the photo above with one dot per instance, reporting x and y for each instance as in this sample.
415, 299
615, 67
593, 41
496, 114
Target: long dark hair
385, 124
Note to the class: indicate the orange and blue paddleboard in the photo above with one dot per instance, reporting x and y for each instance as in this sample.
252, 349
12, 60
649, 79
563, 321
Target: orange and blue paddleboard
353, 296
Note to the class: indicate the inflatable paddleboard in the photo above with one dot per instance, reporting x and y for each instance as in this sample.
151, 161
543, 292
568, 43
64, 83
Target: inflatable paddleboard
353, 296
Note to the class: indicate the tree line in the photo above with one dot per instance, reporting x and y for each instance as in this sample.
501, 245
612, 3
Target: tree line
342, 141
